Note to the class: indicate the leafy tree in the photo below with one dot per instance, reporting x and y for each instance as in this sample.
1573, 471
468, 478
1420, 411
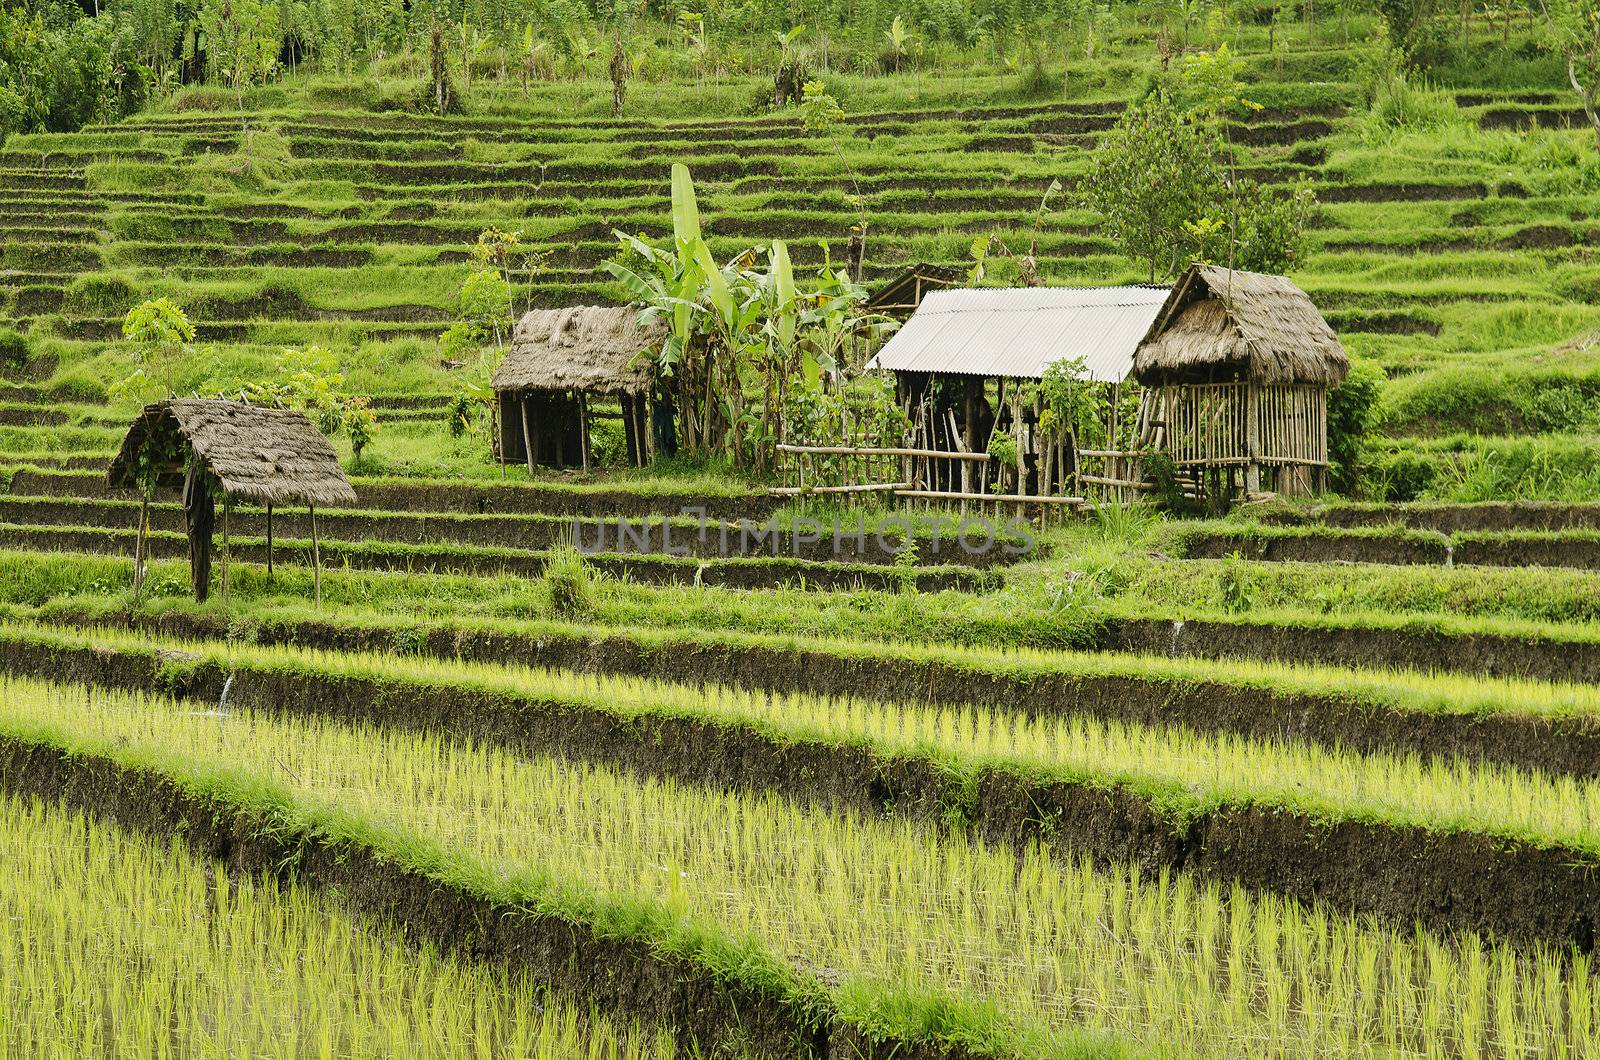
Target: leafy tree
741, 340
483, 324
241, 40
159, 330
897, 43
310, 381
1573, 30
1407, 20
1155, 171
24, 57
1162, 181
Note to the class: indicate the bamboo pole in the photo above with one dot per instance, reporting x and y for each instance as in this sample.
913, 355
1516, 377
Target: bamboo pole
227, 548
1252, 474
316, 554
583, 429
528, 451
139, 547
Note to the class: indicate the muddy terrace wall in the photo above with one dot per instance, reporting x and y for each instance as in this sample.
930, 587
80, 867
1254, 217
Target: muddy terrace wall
1334, 546
467, 498
1359, 647
1565, 746
1442, 879
815, 544
1450, 518
739, 573
630, 977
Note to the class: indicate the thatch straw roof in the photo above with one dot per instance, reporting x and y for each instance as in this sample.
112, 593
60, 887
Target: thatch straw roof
594, 348
271, 456
1221, 324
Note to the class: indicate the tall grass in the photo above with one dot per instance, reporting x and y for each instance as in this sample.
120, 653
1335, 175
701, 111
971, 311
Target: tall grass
878, 908
113, 944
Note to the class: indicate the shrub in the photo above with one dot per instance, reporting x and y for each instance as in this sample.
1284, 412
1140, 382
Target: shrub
13, 350
1236, 584
1167, 490
608, 443
567, 584
1403, 475
1353, 413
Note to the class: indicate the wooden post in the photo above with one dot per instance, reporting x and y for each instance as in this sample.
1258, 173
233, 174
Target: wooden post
528, 450
316, 554
561, 432
583, 429
138, 547
227, 510
269, 539
1252, 475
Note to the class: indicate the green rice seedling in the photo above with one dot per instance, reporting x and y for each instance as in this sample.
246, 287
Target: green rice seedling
114, 944
1012, 948
1178, 767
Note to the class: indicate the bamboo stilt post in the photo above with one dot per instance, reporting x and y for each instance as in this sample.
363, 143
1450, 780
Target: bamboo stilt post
139, 546
227, 548
583, 429
497, 434
1252, 475
269, 539
528, 450
316, 554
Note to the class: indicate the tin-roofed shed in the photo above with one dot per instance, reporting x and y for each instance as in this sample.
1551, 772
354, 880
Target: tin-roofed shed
963, 360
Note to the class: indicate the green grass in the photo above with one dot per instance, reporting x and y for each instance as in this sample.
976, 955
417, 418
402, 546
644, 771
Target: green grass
1010, 949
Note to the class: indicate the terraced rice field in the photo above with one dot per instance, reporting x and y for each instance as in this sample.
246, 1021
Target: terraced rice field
1458, 261
1316, 780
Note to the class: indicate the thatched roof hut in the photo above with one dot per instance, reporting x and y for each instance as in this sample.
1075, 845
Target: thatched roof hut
558, 359
589, 348
1226, 324
270, 456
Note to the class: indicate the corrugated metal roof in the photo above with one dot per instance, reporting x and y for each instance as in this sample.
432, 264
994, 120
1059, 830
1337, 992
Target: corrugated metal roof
1017, 332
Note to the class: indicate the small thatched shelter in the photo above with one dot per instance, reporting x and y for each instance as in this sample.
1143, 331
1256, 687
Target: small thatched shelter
1238, 366
558, 359
208, 447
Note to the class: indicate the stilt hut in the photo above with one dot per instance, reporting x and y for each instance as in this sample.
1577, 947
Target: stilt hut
1237, 368
963, 360
560, 359
210, 448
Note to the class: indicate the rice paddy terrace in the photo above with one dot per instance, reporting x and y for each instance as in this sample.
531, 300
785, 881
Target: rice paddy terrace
1312, 781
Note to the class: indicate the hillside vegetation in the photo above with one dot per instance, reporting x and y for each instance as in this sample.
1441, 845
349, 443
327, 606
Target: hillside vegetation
1452, 244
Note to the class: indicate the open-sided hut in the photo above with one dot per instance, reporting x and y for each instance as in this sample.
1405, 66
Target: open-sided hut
1238, 366
206, 447
559, 359
960, 363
